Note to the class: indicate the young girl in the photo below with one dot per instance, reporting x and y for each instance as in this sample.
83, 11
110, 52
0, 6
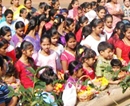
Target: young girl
4, 91
64, 12
116, 33
75, 71
9, 21
96, 36
46, 56
2, 18
123, 45
54, 41
25, 61
126, 9
101, 2
101, 11
73, 12
6, 34
15, 8
32, 36
108, 28
23, 16
89, 58
115, 10
55, 4
83, 21
69, 54
18, 37
48, 76
3, 7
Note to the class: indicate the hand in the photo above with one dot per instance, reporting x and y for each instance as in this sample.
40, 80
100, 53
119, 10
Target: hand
42, 24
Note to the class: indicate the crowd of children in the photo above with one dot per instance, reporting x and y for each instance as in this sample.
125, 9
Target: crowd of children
83, 39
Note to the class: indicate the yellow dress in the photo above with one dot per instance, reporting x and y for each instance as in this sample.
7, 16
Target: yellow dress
17, 12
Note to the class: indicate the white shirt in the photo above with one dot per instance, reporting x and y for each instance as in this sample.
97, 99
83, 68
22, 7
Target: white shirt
24, 21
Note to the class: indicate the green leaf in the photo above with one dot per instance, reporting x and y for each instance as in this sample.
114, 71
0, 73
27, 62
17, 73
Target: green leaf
40, 68
31, 70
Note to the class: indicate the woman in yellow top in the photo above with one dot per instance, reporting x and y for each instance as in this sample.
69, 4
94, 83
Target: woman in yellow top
16, 8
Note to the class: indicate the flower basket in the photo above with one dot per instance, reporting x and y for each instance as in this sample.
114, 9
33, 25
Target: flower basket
86, 93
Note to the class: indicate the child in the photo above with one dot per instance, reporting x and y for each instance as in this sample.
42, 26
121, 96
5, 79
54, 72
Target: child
48, 76
116, 33
6, 34
86, 7
69, 53
88, 59
23, 16
73, 12
106, 52
17, 39
108, 28
101, 11
46, 56
3, 7
115, 10
83, 21
54, 41
116, 68
10, 76
64, 12
55, 4
126, 9
94, 4
96, 36
123, 45
101, 2
32, 36
9, 21
2, 18
4, 91
75, 71
25, 61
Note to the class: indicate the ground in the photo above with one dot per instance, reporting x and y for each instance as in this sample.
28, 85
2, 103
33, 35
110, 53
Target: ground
64, 3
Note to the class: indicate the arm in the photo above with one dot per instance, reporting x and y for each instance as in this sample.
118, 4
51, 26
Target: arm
118, 52
64, 65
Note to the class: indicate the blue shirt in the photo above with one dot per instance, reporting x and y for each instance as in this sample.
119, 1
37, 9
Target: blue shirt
2, 19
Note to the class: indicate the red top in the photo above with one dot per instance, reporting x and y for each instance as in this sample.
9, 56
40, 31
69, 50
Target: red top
89, 73
112, 40
79, 35
125, 50
10, 52
24, 74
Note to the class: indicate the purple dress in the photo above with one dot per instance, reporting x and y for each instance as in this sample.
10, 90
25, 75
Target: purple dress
15, 40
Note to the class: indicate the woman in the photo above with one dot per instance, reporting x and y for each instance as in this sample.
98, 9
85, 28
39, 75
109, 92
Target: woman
16, 8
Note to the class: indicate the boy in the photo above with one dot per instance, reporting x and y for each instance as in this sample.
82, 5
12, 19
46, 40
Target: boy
105, 55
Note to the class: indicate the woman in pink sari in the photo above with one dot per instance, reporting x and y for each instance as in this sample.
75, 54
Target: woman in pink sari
115, 10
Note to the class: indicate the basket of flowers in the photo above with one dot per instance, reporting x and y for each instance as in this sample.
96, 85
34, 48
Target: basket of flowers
101, 83
86, 91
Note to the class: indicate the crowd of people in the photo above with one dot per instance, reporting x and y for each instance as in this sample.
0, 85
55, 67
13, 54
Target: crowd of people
82, 39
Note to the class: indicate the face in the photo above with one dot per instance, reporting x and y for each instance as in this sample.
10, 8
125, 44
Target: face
24, 14
72, 27
101, 13
65, 14
15, 2
54, 39
90, 61
0, 11
127, 3
49, 2
75, 5
98, 30
29, 52
28, 4
127, 34
46, 45
80, 13
57, 5
49, 88
107, 54
0, 2
85, 23
9, 18
3, 50
116, 68
109, 22
102, 3
20, 32
79, 73
8, 36
71, 43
